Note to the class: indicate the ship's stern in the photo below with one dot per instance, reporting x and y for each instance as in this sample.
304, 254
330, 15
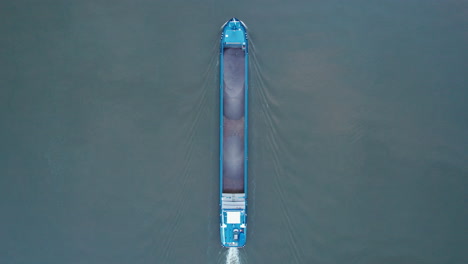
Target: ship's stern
233, 228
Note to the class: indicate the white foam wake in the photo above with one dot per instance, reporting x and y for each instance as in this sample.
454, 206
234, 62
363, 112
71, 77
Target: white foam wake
232, 256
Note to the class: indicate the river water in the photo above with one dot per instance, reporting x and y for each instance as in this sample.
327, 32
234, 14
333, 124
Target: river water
109, 131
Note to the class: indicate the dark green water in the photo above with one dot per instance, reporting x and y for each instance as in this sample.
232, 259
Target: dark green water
109, 131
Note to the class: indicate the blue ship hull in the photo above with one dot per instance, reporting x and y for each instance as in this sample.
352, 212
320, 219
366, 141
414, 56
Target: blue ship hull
233, 133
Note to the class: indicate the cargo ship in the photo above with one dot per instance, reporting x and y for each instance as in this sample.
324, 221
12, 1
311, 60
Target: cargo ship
234, 52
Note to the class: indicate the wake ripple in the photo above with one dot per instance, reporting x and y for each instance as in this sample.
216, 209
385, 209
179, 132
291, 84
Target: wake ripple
263, 91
